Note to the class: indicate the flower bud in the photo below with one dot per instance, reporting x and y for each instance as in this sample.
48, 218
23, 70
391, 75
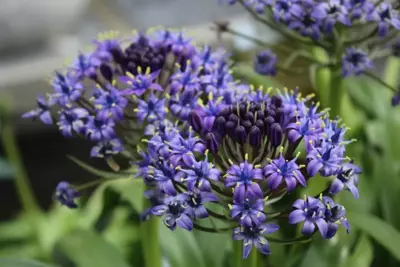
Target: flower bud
255, 136
195, 121
240, 134
276, 134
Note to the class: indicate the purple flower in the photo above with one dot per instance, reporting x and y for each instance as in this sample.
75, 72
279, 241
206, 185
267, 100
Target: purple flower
286, 10
111, 103
306, 25
165, 175
396, 99
265, 63
254, 236
66, 195
67, 89
325, 159
71, 120
218, 81
199, 173
359, 8
100, 129
281, 169
183, 103
104, 49
335, 215
83, 67
140, 83
249, 212
187, 80
176, 212
304, 127
241, 177
42, 112
196, 201
331, 12
355, 62
386, 16
312, 212
182, 149
346, 177
152, 109
106, 149
181, 45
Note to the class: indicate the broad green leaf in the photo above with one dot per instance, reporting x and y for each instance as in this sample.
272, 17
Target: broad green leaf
22, 263
382, 232
363, 254
131, 190
181, 248
86, 248
97, 172
16, 229
246, 72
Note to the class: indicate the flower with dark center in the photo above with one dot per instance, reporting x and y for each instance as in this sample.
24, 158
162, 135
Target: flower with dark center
152, 109
107, 149
66, 89
249, 211
325, 159
140, 83
241, 177
346, 177
183, 103
254, 236
335, 215
312, 212
265, 63
182, 149
165, 176
386, 16
42, 112
83, 67
196, 201
99, 128
110, 103
187, 80
286, 10
330, 13
280, 169
199, 174
66, 195
306, 25
355, 62
176, 212
72, 120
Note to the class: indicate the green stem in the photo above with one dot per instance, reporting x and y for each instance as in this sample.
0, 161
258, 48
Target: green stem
391, 75
150, 241
22, 184
336, 94
322, 76
252, 260
237, 253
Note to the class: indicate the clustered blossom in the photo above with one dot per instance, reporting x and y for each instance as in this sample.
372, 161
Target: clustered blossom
215, 147
265, 63
355, 62
243, 154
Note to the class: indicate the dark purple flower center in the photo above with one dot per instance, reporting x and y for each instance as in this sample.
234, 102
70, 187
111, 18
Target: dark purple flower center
175, 208
308, 21
356, 58
385, 14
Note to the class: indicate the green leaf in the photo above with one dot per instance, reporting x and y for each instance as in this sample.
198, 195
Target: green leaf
86, 248
100, 173
131, 190
382, 232
246, 72
21, 263
363, 254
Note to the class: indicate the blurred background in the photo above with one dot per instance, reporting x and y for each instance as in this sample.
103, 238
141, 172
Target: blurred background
37, 37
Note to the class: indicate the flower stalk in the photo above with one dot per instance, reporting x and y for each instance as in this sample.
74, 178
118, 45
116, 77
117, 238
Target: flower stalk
151, 241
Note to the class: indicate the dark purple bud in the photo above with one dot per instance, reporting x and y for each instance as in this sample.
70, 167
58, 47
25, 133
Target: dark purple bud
249, 116
279, 115
230, 128
106, 71
233, 118
220, 125
225, 112
242, 109
247, 125
276, 134
211, 142
276, 101
260, 115
260, 125
255, 136
268, 121
240, 134
195, 121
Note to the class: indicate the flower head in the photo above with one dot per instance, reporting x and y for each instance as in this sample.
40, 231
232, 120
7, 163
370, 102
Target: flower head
140, 83
152, 109
355, 62
110, 103
386, 17
42, 112
66, 195
265, 63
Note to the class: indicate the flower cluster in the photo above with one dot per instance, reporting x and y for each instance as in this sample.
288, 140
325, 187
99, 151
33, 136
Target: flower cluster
233, 160
322, 22
109, 94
